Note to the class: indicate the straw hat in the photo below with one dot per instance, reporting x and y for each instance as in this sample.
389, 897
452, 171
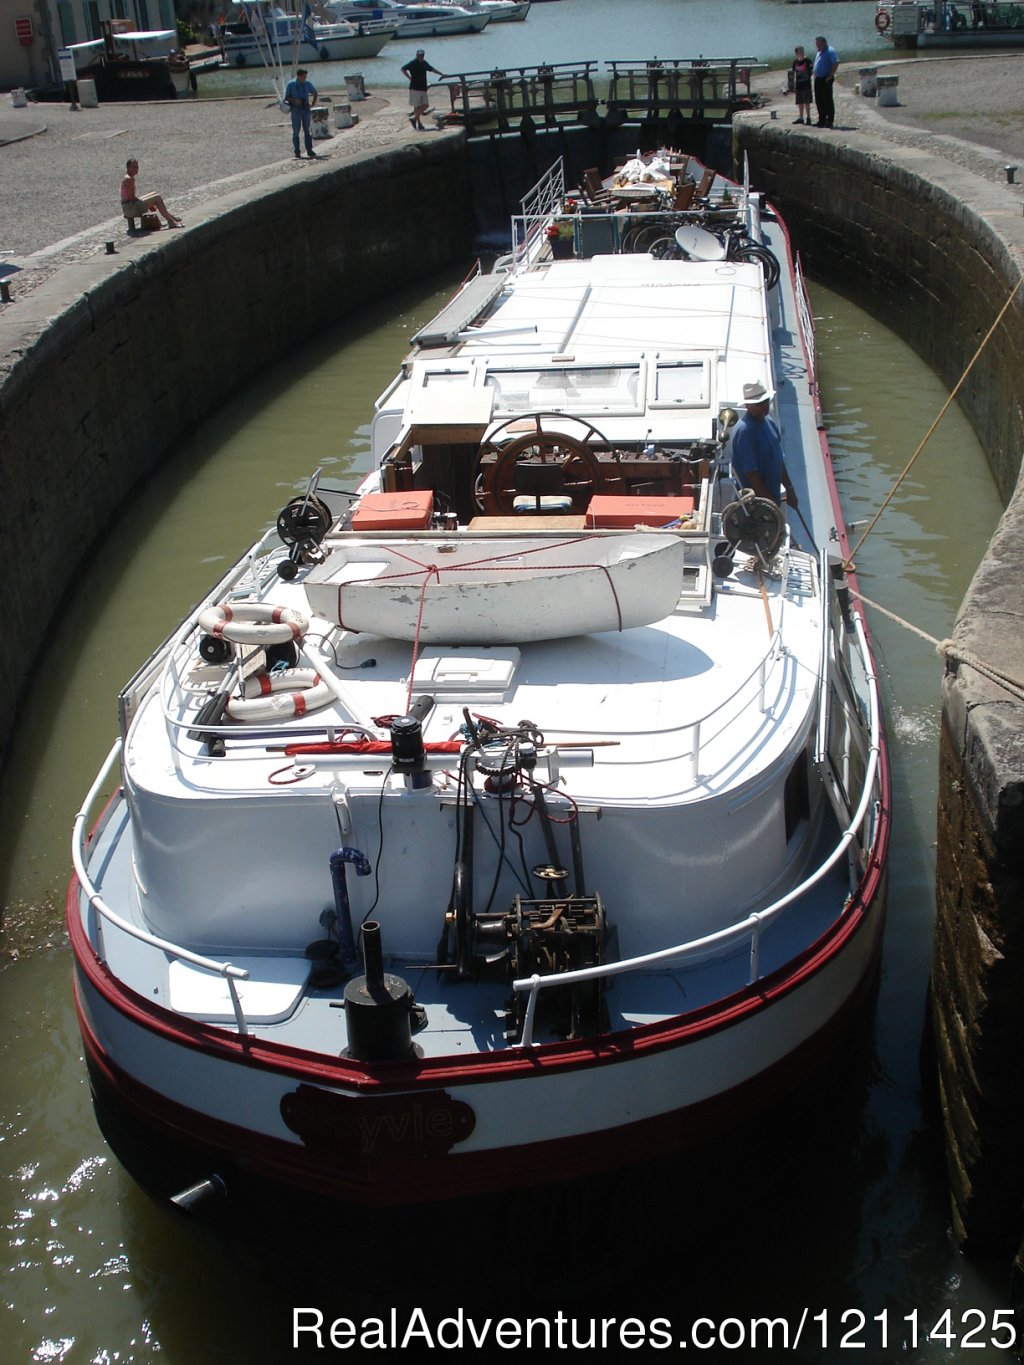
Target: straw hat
757, 393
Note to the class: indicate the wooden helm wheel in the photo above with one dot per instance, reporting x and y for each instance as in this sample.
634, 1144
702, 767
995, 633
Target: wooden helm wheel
501, 473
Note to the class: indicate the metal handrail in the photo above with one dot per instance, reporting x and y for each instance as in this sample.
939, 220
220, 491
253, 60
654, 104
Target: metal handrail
751, 925
105, 913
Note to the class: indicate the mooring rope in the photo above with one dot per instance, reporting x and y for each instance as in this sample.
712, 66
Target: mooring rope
947, 649
849, 563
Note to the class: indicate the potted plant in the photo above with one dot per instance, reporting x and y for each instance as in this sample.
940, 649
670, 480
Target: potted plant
560, 235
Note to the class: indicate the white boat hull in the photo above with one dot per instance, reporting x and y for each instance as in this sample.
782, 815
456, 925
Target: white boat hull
440, 1132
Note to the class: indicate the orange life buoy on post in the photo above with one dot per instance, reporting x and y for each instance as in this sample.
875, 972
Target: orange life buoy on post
882, 20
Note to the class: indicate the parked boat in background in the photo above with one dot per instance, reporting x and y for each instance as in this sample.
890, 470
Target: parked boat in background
523, 813
126, 63
415, 21
269, 35
943, 23
501, 11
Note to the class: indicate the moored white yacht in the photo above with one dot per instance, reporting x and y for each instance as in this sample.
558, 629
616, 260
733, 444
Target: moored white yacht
527, 813
430, 20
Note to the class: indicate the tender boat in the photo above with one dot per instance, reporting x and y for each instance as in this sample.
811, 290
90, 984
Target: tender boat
950, 23
267, 35
523, 813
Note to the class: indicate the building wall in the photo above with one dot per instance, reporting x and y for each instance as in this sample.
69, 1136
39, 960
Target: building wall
94, 395
935, 253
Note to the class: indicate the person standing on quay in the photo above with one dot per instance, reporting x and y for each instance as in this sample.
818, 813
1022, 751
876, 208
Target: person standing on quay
826, 64
416, 74
300, 96
802, 67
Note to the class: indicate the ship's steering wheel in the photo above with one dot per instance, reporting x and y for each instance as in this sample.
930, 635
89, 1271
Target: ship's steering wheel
541, 462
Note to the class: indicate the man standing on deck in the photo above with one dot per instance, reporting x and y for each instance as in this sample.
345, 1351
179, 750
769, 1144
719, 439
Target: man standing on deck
826, 64
757, 458
416, 74
300, 96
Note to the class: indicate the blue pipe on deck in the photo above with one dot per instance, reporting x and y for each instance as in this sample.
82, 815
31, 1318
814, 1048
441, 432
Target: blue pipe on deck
341, 905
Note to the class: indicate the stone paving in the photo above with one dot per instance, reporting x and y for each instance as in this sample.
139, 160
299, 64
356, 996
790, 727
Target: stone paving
60, 168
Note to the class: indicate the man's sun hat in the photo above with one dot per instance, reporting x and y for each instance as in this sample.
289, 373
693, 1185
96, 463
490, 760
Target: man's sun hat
757, 393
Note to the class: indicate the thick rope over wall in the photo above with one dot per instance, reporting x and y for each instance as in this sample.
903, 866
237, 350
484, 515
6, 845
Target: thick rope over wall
934, 252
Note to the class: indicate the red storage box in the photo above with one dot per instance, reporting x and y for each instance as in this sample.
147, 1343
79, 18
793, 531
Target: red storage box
606, 511
409, 511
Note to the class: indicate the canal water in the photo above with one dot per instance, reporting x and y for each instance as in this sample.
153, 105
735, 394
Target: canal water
603, 30
93, 1272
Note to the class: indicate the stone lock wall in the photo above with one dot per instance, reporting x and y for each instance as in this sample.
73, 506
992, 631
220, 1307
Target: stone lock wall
934, 252
106, 365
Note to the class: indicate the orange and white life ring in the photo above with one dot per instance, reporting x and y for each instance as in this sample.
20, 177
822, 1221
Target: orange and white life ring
279, 696
883, 20
253, 623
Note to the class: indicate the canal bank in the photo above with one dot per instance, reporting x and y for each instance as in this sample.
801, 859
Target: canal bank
928, 233
235, 261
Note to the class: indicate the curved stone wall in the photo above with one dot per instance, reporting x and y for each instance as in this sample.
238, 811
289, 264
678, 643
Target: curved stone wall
934, 252
107, 364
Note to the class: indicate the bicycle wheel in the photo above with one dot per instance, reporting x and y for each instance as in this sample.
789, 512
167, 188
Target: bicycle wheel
665, 249
752, 251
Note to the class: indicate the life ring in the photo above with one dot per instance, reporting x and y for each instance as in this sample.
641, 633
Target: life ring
883, 20
279, 696
253, 623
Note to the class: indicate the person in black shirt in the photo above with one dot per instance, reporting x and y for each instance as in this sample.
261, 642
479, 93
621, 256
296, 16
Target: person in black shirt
416, 72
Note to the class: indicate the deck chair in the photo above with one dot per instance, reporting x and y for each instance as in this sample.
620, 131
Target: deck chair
594, 192
685, 195
704, 188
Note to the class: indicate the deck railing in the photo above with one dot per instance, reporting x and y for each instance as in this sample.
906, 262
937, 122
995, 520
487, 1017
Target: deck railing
104, 914
750, 927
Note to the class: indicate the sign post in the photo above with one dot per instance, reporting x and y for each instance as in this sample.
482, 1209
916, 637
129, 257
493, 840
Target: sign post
68, 73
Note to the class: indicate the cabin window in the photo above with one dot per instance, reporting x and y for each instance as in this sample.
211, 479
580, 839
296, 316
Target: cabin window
682, 384
797, 797
590, 389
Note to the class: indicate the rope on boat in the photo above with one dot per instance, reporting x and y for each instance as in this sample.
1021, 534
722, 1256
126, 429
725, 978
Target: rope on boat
947, 649
848, 564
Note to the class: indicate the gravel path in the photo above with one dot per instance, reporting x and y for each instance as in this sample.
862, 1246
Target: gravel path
60, 169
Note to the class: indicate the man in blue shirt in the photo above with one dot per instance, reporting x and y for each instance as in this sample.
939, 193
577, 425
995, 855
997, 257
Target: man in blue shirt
826, 64
757, 458
300, 96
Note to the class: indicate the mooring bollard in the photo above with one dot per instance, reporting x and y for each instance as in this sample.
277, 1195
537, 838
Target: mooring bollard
888, 91
5, 292
868, 80
110, 248
1011, 172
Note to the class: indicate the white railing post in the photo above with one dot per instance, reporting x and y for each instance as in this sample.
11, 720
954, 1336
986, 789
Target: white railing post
755, 948
531, 1010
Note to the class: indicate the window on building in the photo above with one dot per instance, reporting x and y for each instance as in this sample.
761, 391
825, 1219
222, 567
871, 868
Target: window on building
66, 19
